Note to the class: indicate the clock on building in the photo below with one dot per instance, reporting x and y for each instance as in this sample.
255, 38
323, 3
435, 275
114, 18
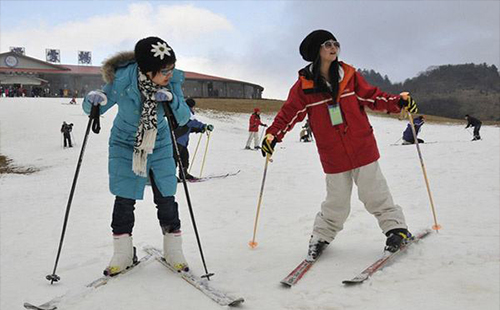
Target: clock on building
11, 61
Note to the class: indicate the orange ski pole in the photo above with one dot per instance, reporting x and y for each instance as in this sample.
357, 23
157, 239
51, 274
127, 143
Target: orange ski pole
436, 226
253, 244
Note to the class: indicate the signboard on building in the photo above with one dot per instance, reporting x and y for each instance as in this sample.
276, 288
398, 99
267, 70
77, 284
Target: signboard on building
18, 50
84, 58
53, 55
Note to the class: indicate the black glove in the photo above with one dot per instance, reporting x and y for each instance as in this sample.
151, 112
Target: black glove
268, 146
265, 125
409, 104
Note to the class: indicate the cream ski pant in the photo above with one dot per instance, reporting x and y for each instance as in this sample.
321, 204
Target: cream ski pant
372, 191
255, 136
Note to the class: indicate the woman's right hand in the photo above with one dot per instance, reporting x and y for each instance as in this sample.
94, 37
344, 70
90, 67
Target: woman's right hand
268, 145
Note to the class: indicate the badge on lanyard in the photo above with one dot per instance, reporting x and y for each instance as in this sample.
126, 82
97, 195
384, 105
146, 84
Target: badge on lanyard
335, 114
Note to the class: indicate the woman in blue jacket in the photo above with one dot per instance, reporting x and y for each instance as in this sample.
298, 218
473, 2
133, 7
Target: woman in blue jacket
140, 145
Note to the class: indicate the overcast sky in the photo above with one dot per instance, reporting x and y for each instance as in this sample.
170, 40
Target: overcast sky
258, 41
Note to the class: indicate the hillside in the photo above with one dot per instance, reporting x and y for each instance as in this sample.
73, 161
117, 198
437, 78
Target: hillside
450, 90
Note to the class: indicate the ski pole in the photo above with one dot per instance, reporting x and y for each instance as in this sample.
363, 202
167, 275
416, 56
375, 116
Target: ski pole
436, 226
194, 155
95, 125
168, 111
205, 155
397, 141
252, 243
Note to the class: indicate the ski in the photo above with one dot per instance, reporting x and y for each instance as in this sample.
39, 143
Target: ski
386, 258
103, 280
202, 285
296, 274
214, 176
401, 144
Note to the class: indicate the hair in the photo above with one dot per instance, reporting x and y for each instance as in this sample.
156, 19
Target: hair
333, 77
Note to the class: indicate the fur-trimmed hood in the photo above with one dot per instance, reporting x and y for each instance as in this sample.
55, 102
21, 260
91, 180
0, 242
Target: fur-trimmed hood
113, 63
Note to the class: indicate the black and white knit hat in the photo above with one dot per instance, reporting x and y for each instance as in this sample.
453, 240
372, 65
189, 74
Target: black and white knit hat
152, 54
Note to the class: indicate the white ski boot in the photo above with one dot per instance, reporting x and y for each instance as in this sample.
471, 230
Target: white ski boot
172, 250
123, 255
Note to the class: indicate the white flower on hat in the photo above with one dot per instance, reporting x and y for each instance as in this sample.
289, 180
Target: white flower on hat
161, 49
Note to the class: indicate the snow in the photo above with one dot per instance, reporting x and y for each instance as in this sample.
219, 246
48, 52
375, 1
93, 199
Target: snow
458, 268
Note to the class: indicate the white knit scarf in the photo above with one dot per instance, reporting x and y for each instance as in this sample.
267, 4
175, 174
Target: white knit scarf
148, 123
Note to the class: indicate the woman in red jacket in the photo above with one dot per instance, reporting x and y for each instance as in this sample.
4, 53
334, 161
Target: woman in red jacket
334, 97
253, 129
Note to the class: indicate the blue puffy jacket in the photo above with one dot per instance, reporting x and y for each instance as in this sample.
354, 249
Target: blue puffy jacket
120, 73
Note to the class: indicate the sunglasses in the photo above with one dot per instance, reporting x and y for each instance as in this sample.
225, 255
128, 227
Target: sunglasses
166, 72
330, 44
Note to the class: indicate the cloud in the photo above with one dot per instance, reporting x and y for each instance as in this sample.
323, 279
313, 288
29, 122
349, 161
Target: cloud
116, 32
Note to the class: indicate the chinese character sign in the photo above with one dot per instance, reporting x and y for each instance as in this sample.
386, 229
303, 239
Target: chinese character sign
84, 58
17, 49
53, 55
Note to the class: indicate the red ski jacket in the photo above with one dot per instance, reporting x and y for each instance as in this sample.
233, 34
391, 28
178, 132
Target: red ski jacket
254, 123
350, 144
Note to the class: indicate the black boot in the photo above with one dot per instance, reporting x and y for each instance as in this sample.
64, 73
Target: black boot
316, 247
189, 176
396, 238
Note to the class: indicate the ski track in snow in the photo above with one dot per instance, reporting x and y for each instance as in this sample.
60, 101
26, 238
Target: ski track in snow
455, 269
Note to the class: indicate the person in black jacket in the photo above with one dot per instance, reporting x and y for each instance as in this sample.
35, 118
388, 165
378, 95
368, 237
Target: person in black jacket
66, 131
474, 122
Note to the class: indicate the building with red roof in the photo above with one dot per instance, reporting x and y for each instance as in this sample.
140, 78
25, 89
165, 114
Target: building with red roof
40, 78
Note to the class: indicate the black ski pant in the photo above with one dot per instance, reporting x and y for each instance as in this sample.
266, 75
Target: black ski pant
123, 212
184, 153
67, 140
476, 131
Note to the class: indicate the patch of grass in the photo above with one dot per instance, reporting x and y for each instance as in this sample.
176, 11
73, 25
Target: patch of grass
238, 105
7, 167
270, 106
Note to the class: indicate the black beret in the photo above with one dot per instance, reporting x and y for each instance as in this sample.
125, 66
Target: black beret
309, 48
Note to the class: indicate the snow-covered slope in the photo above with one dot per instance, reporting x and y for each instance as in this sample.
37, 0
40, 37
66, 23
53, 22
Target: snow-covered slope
455, 269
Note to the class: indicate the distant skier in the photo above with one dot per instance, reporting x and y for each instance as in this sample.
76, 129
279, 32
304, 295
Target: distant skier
72, 101
305, 133
66, 131
418, 122
182, 137
253, 129
474, 122
142, 82
334, 96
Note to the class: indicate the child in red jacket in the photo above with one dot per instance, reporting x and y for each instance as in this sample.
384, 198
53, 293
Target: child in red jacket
253, 129
334, 96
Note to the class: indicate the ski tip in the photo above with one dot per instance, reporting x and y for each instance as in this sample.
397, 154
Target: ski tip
236, 302
27, 305
286, 284
351, 282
